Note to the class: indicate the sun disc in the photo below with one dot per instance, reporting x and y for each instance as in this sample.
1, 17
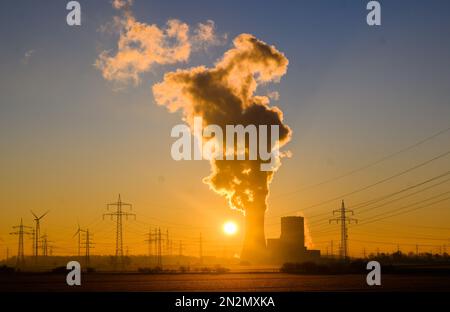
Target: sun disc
230, 228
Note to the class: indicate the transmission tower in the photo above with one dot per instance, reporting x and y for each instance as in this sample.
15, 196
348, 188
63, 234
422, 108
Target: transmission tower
119, 214
155, 247
44, 245
152, 241
331, 249
201, 249
343, 219
159, 257
168, 244
33, 241
149, 240
79, 232
37, 231
87, 246
161, 237
21, 231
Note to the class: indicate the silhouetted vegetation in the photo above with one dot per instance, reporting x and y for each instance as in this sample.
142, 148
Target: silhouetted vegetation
215, 269
185, 269
6, 270
153, 270
410, 258
394, 263
59, 270
335, 267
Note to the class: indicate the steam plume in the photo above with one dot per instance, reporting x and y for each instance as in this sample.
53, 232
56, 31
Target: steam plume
141, 45
221, 95
225, 94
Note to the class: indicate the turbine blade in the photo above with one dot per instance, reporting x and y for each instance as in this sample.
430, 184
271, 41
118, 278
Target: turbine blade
44, 214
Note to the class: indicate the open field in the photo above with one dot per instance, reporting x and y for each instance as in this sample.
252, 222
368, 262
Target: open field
271, 282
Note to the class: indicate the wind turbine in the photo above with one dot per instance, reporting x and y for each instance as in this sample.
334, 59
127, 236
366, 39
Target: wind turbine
78, 232
37, 231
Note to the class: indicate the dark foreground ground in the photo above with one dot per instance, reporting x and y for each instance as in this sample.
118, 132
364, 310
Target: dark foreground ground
261, 282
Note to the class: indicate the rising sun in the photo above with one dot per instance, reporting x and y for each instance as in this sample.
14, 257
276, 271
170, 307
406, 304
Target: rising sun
230, 228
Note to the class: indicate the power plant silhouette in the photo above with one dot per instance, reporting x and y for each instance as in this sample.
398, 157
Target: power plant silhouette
290, 247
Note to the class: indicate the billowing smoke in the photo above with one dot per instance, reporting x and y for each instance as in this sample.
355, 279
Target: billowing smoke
222, 95
225, 95
141, 45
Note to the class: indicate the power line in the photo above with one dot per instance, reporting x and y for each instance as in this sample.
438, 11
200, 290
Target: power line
371, 234
406, 211
375, 183
370, 202
367, 203
397, 199
390, 214
389, 243
425, 226
367, 165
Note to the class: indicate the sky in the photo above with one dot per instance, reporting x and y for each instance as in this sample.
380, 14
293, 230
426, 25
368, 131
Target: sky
71, 141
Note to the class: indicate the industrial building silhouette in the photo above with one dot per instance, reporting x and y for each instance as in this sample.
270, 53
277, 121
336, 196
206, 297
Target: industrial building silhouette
290, 247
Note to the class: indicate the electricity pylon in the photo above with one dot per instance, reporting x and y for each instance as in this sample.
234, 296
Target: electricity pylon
78, 232
37, 233
157, 238
118, 214
44, 245
87, 246
21, 232
33, 241
343, 219
159, 242
168, 244
152, 240
201, 249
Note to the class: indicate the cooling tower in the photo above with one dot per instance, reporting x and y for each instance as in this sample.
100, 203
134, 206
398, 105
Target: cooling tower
293, 231
254, 248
